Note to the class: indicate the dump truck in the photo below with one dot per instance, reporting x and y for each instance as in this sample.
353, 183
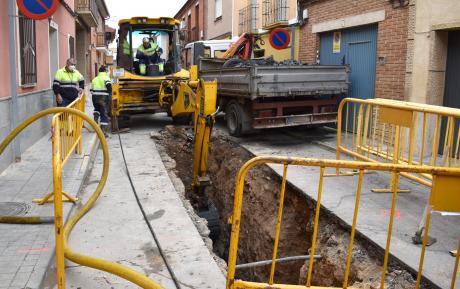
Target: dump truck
259, 94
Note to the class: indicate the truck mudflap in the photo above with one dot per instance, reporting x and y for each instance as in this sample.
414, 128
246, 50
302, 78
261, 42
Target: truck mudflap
294, 120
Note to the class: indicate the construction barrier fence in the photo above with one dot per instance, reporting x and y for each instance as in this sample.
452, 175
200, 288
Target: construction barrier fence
391, 131
443, 197
66, 136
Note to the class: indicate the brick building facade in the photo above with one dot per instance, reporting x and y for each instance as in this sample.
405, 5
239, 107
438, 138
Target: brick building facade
391, 18
193, 20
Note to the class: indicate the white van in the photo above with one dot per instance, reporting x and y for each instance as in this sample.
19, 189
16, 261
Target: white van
208, 48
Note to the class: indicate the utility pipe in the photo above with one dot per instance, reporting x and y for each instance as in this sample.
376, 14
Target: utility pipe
14, 108
279, 260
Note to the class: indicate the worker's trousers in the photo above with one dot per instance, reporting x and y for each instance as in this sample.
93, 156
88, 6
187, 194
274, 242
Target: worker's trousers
101, 105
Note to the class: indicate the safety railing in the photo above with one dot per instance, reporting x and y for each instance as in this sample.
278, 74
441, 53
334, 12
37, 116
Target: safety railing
274, 12
443, 197
247, 19
383, 130
67, 135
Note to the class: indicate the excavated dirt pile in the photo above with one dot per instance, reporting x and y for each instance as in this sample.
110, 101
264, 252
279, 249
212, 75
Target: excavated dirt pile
259, 215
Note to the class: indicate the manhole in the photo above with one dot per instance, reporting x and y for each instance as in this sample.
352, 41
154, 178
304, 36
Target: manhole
13, 209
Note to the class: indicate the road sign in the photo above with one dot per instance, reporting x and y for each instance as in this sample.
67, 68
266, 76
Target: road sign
280, 38
38, 9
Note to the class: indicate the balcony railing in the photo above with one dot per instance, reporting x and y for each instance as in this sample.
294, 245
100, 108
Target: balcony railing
87, 10
274, 13
247, 19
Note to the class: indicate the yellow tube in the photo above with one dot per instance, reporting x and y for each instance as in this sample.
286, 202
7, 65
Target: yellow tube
26, 220
107, 266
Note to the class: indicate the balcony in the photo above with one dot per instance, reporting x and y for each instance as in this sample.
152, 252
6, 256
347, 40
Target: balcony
274, 13
87, 11
247, 17
101, 39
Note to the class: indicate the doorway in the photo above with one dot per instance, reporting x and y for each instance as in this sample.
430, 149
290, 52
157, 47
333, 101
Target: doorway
53, 51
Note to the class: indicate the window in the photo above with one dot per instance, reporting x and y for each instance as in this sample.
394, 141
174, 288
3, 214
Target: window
206, 52
188, 58
27, 51
71, 47
218, 9
219, 53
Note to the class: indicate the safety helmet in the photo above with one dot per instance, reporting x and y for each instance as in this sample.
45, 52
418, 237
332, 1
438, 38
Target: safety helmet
145, 40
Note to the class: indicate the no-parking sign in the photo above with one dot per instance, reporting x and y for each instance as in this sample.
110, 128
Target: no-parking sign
280, 38
37, 9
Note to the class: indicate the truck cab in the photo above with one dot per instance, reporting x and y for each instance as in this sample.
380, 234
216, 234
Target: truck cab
192, 52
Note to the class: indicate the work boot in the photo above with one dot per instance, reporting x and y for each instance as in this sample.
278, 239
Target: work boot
96, 116
105, 129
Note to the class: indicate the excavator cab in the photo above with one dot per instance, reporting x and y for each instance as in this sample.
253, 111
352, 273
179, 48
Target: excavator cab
138, 76
163, 34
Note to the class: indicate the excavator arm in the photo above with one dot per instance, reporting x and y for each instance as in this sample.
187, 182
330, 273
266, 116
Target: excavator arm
198, 98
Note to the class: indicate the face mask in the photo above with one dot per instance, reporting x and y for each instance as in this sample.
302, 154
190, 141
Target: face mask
71, 67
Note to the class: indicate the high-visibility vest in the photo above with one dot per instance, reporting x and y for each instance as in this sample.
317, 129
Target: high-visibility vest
99, 84
148, 51
67, 83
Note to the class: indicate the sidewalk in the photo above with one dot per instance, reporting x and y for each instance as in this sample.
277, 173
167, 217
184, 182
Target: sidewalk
124, 237
26, 251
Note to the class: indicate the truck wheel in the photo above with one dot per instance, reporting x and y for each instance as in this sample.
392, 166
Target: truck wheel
233, 114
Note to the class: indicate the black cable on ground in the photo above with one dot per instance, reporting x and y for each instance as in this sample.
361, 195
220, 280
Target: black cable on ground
163, 256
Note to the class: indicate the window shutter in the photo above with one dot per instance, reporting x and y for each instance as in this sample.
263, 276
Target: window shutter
218, 9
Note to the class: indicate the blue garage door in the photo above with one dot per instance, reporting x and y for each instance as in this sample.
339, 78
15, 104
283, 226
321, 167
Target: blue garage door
358, 48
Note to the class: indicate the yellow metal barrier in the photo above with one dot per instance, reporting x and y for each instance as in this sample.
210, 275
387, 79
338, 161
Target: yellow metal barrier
67, 136
384, 130
443, 197
62, 232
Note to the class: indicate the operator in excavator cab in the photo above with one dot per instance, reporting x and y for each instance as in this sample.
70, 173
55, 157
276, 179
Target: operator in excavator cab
146, 53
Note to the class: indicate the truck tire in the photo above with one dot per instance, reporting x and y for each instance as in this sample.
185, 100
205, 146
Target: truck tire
238, 119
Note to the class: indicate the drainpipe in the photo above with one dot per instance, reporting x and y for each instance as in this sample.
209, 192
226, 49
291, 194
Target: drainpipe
293, 27
14, 108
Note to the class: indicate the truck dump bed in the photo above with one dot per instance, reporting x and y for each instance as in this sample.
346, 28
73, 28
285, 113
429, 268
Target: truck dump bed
270, 81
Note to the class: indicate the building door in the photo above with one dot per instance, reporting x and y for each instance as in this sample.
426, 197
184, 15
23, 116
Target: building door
356, 47
452, 83
81, 48
54, 52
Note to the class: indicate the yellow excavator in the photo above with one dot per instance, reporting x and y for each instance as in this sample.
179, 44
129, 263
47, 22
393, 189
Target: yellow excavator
157, 83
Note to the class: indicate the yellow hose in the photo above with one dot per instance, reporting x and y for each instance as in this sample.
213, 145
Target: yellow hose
100, 264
